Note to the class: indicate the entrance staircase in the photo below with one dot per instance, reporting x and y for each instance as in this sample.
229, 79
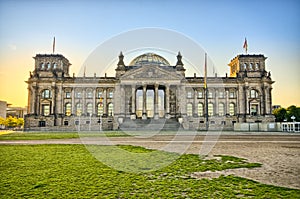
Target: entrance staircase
150, 125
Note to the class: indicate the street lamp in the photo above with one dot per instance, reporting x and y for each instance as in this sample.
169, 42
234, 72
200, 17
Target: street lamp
293, 118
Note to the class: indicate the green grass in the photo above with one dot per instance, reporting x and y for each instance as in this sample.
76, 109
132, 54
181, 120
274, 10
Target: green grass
70, 171
57, 135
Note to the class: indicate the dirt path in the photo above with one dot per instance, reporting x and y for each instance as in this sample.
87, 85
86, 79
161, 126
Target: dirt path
279, 154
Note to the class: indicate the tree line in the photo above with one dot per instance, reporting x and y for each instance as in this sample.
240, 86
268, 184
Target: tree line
11, 122
284, 115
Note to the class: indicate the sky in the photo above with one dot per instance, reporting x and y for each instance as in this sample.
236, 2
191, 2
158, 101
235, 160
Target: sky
272, 28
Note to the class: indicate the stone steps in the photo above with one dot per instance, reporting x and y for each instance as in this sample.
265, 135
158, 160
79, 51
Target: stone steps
150, 124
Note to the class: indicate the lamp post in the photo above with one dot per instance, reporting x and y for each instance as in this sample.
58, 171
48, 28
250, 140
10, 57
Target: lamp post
293, 118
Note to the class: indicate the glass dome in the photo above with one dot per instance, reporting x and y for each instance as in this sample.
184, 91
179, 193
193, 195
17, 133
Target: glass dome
149, 58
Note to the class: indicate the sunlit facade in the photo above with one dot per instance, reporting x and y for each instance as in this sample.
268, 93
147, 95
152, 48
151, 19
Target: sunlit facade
149, 88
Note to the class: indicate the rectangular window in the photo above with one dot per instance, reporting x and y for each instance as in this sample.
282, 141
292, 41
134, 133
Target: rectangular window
200, 94
254, 109
210, 94
89, 95
189, 94
99, 94
221, 94
46, 109
68, 95
78, 95
42, 123
88, 122
231, 94
110, 94
66, 123
76, 122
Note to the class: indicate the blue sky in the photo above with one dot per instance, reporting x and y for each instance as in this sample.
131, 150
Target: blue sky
271, 27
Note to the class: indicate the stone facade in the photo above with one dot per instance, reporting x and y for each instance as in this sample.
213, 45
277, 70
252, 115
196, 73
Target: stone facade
149, 88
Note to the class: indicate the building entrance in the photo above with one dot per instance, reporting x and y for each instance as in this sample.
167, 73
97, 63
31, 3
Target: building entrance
150, 102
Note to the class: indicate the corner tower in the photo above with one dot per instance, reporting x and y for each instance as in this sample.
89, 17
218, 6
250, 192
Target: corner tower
51, 65
247, 65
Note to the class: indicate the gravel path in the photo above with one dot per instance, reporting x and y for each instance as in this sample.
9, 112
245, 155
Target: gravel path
279, 154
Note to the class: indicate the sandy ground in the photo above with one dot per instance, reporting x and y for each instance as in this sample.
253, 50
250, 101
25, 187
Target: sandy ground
279, 154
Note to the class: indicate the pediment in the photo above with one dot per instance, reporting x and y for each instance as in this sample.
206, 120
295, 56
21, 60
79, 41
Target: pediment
151, 72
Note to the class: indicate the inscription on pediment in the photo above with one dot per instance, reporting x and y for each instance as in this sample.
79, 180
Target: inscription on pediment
151, 72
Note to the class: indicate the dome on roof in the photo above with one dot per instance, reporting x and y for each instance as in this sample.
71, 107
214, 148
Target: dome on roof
149, 58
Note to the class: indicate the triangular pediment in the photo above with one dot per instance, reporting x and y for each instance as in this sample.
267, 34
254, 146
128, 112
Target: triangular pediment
152, 72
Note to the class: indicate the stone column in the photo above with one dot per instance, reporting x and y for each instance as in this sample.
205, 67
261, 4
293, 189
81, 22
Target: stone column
105, 101
73, 101
83, 102
94, 102
133, 101
36, 100
144, 102
195, 107
167, 108
226, 101
53, 100
156, 115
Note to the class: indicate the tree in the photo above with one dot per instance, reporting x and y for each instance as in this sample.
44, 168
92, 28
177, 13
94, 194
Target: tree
11, 122
280, 114
293, 111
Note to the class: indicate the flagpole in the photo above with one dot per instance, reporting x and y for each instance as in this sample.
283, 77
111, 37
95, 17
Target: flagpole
53, 47
206, 93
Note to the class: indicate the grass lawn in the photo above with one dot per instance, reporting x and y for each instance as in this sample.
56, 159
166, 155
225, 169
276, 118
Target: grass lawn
57, 135
70, 171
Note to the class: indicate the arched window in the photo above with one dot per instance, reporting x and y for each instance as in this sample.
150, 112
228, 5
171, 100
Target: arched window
257, 66
189, 109
78, 109
68, 109
100, 109
253, 94
54, 65
200, 109
46, 94
210, 109
48, 66
221, 109
110, 109
89, 109
231, 109
42, 66
250, 66
245, 66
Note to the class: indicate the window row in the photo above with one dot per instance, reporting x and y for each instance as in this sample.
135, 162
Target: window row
89, 94
89, 109
46, 94
210, 94
250, 66
48, 65
211, 109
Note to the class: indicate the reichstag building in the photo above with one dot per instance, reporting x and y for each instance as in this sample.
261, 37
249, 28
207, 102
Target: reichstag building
147, 93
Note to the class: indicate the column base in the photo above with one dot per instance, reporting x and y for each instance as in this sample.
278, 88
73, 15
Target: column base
156, 116
144, 116
133, 116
